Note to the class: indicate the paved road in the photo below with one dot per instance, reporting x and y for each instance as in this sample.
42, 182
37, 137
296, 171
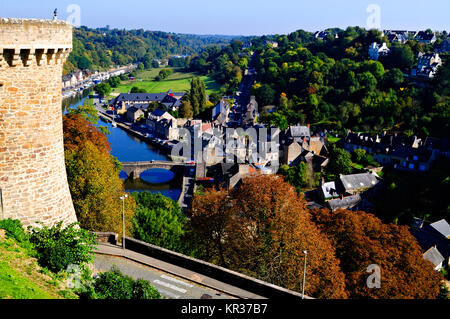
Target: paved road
133, 263
169, 286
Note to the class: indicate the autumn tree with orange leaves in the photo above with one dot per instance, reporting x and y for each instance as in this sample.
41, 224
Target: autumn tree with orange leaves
93, 177
262, 229
361, 239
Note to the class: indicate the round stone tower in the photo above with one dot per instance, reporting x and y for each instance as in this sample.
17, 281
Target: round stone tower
33, 181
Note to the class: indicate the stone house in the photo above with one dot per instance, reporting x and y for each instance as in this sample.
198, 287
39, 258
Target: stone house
427, 65
162, 125
134, 113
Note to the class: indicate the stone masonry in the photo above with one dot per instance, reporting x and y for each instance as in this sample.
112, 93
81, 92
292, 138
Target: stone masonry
33, 181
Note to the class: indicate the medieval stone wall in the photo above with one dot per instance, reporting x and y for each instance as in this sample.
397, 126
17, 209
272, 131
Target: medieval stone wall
33, 181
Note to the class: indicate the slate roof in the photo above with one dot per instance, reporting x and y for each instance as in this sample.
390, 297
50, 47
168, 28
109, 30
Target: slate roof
299, 131
158, 112
442, 227
423, 155
346, 202
434, 256
424, 36
427, 239
358, 181
162, 97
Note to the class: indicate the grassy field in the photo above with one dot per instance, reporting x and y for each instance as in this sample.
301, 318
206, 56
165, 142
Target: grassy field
177, 82
22, 278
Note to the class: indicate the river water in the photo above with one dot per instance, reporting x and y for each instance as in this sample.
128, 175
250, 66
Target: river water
128, 148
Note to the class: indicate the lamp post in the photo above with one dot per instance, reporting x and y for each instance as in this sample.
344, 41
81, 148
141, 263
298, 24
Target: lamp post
304, 275
123, 219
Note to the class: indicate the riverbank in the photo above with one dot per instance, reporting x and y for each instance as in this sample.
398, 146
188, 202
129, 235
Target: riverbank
164, 145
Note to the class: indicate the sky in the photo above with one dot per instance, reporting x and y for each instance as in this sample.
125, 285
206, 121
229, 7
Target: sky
238, 17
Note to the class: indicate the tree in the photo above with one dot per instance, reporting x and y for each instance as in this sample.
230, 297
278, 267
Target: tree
358, 155
265, 95
103, 89
211, 221
58, 247
86, 110
155, 64
93, 177
114, 81
186, 110
340, 162
136, 89
393, 78
158, 220
402, 57
214, 98
367, 81
298, 176
361, 240
197, 95
262, 229
114, 284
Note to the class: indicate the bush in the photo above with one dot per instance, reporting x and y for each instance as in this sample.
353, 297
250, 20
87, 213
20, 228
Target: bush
59, 247
115, 285
14, 229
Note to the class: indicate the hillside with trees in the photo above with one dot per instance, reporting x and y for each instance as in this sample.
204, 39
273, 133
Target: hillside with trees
333, 83
103, 48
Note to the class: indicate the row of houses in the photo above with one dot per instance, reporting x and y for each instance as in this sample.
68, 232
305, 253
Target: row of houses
136, 105
82, 76
402, 36
397, 150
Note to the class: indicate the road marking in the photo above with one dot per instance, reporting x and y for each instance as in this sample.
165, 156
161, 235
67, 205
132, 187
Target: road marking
177, 281
168, 293
166, 284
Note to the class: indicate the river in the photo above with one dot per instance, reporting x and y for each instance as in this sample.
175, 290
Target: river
128, 148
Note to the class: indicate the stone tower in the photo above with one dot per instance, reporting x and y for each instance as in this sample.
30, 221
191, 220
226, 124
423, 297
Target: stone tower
33, 181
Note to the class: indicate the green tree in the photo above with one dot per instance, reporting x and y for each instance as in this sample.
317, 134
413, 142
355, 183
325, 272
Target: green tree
103, 89
155, 64
158, 220
114, 284
186, 110
340, 162
57, 247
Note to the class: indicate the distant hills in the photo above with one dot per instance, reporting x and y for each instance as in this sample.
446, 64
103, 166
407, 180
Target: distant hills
102, 48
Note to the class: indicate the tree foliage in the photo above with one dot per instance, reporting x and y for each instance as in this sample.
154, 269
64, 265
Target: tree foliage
361, 239
58, 247
262, 229
93, 176
158, 220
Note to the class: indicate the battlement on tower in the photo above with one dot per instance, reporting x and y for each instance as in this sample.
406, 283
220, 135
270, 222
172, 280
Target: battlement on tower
24, 42
33, 181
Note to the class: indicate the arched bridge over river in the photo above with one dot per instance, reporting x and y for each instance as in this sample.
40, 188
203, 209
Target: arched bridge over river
134, 169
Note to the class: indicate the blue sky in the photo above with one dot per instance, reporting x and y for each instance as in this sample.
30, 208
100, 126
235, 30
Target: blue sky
238, 17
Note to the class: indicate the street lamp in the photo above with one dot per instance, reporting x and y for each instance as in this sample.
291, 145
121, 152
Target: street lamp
304, 275
123, 219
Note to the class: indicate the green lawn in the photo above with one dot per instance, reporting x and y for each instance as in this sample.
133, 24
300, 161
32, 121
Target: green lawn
177, 82
332, 139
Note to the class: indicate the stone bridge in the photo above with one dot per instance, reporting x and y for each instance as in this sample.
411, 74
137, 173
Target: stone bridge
134, 169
